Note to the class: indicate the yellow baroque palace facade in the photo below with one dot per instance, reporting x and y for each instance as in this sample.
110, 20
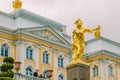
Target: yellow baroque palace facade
42, 44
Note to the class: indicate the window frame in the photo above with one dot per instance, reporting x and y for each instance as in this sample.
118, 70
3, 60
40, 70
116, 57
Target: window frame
95, 71
4, 50
45, 57
110, 69
29, 53
29, 72
60, 62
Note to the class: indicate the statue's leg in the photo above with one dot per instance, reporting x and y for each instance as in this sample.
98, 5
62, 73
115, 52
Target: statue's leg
81, 51
75, 55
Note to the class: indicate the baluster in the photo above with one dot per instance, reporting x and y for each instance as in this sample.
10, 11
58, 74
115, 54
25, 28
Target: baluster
24, 77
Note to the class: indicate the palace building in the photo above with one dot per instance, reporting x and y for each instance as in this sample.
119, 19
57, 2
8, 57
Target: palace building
35, 41
42, 44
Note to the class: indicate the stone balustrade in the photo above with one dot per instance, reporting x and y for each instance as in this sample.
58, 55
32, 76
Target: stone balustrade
18, 76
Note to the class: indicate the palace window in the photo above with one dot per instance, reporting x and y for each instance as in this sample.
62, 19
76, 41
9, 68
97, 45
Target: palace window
45, 57
110, 70
29, 52
95, 71
29, 71
60, 77
60, 61
4, 50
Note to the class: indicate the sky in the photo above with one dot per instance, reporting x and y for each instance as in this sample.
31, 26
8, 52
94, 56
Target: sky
92, 12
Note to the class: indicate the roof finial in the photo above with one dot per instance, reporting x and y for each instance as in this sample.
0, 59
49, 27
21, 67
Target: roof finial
16, 4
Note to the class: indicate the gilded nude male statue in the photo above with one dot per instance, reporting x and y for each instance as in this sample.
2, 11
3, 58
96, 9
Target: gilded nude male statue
77, 39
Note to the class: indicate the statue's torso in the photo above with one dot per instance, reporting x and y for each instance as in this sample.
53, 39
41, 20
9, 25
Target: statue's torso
79, 34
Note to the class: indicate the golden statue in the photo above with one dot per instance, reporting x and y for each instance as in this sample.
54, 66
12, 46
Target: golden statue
17, 4
77, 39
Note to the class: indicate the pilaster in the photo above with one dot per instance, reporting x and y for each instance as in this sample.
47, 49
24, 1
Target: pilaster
11, 49
118, 67
103, 69
20, 54
36, 53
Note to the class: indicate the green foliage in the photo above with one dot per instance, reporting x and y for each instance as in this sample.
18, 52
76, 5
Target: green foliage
6, 78
6, 67
9, 74
4, 74
8, 60
0, 68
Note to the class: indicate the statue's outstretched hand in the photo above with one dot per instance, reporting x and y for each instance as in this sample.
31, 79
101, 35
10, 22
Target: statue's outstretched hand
97, 32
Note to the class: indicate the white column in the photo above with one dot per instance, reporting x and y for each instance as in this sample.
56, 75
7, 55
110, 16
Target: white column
118, 68
11, 51
66, 61
55, 65
103, 69
21, 54
36, 52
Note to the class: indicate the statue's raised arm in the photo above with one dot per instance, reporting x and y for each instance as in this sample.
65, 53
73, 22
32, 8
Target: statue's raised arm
95, 30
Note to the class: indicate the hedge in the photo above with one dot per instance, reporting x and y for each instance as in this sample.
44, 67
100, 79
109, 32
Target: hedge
5, 78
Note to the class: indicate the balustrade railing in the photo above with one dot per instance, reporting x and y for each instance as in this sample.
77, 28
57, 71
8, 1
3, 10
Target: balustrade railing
18, 76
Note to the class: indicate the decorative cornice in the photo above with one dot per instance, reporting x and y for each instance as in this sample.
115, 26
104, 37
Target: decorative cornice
20, 41
38, 46
6, 30
103, 60
6, 14
104, 39
102, 52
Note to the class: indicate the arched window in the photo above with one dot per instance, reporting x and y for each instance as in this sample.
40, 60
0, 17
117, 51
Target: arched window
110, 70
4, 50
45, 57
60, 61
29, 71
60, 77
95, 71
29, 52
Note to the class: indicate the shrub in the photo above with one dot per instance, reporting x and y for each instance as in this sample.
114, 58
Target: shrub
6, 78
6, 67
4, 74
9, 74
9, 60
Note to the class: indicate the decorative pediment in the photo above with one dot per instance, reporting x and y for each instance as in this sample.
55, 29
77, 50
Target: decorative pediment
48, 34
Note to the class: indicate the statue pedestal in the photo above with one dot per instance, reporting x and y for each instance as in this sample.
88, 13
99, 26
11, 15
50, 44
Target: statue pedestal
78, 71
